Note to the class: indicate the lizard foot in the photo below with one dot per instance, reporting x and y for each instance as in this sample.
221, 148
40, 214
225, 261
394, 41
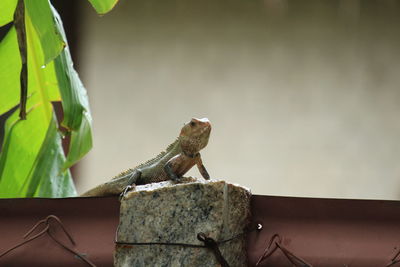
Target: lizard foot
188, 179
125, 191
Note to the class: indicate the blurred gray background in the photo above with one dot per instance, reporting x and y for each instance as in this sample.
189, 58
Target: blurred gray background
303, 96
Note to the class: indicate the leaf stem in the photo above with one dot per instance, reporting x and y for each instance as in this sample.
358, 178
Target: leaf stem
19, 22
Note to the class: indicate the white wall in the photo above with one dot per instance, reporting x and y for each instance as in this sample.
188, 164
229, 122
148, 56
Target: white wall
303, 96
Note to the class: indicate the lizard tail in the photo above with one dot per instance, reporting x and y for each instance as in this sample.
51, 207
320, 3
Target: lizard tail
112, 188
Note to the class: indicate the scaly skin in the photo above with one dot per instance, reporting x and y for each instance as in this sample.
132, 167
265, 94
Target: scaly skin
171, 164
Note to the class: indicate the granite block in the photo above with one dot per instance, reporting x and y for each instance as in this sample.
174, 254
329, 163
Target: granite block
167, 212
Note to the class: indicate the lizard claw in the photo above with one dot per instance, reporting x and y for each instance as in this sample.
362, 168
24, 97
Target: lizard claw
126, 190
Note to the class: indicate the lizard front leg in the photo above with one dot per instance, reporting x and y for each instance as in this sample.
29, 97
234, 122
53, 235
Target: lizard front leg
170, 172
177, 166
201, 167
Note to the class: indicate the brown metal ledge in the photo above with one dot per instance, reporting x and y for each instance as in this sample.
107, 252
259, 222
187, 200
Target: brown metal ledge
326, 232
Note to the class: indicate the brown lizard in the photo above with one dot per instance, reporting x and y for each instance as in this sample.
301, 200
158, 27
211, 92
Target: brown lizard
171, 164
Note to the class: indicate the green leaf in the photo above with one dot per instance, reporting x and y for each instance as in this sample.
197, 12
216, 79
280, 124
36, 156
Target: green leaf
24, 169
32, 161
71, 90
9, 71
103, 6
75, 103
50, 82
81, 142
46, 178
62, 187
41, 78
21, 145
42, 20
7, 8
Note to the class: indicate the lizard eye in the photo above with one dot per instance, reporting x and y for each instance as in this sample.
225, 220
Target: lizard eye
192, 123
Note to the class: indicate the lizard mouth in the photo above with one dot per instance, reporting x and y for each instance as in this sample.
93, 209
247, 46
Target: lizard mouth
207, 126
205, 133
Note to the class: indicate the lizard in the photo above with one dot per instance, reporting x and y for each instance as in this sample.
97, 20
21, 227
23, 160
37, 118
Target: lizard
171, 164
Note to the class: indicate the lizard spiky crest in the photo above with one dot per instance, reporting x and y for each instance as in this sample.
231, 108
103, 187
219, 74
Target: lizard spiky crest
151, 161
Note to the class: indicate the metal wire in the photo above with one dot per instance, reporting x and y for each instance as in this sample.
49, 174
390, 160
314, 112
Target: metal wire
394, 260
46, 230
208, 242
276, 240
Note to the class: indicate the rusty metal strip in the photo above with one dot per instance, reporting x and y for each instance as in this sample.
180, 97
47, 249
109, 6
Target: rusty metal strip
93, 230
326, 232
28, 237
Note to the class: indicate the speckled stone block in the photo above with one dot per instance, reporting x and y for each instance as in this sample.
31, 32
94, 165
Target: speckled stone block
175, 213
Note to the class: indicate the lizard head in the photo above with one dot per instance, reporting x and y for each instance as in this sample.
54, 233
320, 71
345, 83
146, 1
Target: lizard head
194, 135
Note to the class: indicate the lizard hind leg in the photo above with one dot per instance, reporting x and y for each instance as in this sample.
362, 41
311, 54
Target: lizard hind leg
134, 177
130, 181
